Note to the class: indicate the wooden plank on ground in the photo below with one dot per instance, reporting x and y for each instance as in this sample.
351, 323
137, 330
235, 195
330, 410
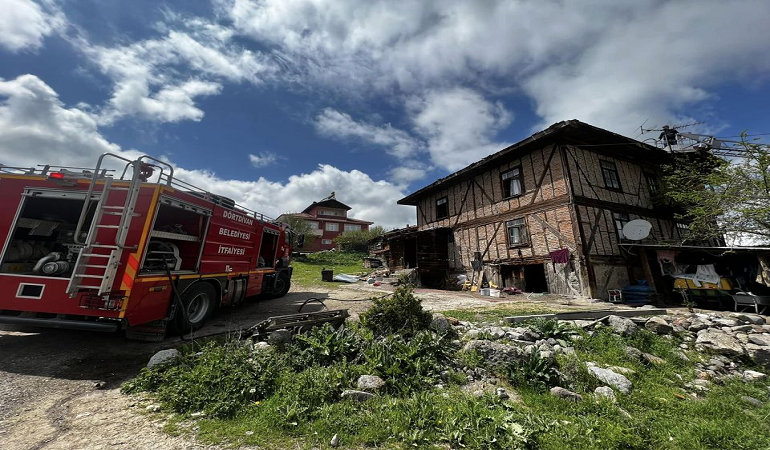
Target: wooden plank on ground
590, 315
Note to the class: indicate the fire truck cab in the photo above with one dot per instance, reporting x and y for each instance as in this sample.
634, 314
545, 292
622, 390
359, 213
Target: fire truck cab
106, 248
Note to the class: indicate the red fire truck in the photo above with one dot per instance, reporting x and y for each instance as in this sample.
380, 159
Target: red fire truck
130, 247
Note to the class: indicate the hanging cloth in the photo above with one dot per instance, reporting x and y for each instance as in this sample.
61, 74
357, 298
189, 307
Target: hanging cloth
707, 273
666, 258
560, 256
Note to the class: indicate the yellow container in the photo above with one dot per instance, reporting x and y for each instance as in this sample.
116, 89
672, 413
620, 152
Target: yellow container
686, 283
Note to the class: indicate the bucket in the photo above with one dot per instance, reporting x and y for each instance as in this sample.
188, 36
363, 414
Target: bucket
327, 275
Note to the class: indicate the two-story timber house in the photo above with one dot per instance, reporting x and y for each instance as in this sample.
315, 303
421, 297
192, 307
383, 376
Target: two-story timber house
545, 214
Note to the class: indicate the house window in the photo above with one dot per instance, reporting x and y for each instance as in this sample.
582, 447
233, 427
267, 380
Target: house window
352, 227
610, 174
621, 219
332, 226
517, 232
442, 208
327, 212
652, 183
326, 241
313, 225
682, 229
512, 185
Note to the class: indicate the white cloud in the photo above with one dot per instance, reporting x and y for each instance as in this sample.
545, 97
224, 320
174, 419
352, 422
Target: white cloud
455, 126
397, 142
37, 128
160, 79
24, 24
263, 159
408, 173
459, 125
611, 63
369, 199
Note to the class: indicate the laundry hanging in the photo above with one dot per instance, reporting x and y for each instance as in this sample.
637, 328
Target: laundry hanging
561, 256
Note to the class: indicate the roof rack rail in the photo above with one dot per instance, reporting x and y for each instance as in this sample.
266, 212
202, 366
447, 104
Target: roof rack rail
150, 164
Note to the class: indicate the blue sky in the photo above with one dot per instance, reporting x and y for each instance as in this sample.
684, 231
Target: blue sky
277, 103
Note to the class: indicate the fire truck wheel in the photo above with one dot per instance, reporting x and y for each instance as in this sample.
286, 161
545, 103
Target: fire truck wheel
282, 285
198, 302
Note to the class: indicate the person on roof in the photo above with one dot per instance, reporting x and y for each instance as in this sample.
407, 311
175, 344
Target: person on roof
668, 136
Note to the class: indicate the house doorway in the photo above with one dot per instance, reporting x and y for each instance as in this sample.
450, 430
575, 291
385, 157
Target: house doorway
534, 278
410, 253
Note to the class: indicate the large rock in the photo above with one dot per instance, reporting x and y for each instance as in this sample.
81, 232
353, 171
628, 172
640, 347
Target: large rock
634, 353
359, 396
755, 319
168, 356
622, 326
370, 382
440, 324
566, 394
763, 340
614, 379
279, 337
658, 325
605, 392
719, 342
759, 354
495, 353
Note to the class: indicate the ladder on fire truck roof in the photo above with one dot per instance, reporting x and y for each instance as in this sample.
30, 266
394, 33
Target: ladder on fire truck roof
95, 270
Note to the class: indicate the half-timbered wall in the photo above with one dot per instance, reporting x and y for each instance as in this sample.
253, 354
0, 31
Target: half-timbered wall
480, 199
565, 204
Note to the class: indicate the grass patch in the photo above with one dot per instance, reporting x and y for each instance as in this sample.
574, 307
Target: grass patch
496, 314
293, 399
307, 270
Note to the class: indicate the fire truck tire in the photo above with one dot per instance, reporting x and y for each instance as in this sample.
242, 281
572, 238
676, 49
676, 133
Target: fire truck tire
282, 285
198, 301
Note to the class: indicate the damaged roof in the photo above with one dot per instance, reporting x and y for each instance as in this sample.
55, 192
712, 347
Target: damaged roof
572, 132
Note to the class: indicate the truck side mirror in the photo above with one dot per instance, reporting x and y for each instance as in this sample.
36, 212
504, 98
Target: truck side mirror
300, 241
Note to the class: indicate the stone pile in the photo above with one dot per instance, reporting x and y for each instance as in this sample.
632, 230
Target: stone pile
725, 342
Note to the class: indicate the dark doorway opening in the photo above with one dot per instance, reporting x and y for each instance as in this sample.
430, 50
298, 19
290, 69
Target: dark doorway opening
534, 278
410, 253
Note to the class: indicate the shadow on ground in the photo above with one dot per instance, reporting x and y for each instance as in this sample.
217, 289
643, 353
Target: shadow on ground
110, 357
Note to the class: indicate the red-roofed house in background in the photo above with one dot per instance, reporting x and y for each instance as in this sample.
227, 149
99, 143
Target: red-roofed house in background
328, 218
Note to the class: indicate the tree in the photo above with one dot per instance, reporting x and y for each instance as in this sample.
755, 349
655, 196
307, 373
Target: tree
300, 227
723, 197
358, 241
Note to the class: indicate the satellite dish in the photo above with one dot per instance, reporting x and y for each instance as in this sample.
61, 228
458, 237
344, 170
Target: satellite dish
636, 230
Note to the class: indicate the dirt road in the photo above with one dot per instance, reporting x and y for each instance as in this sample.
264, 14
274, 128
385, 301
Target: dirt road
59, 388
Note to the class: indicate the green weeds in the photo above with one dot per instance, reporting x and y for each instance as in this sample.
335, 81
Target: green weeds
292, 400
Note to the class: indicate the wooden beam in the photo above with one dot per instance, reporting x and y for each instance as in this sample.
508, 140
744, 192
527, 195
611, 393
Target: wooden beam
546, 168
556, 232
590, 315
462, 204
647, 269
518, 212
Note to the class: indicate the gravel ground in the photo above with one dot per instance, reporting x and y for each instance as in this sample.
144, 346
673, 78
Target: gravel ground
59, 388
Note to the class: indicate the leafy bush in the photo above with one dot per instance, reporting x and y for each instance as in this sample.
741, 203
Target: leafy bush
548, 328
299, 395
358, 241
534, 371
325, 346
408, 365
221, 381
399, 313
